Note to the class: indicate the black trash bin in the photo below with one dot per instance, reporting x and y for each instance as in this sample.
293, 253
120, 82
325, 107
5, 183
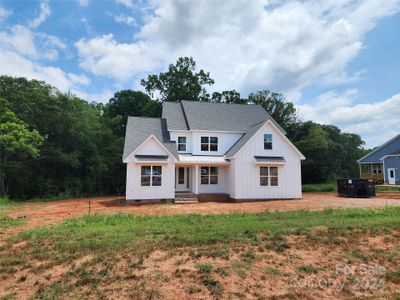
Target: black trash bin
356, 188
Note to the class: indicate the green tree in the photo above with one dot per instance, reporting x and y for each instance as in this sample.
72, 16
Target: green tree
228, 97
17, 141
180, 82
278, 107
127, 103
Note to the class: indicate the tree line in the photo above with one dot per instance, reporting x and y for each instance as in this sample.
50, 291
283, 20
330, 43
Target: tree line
54, 144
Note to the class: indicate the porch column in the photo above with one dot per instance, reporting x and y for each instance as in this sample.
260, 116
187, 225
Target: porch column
196, 179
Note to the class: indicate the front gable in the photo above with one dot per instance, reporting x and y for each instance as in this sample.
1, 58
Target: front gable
150, 147
281, 145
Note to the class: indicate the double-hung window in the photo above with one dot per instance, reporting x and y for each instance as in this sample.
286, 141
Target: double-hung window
182, 143
151, 175
269, 176
268, 141
209, 175
209, 143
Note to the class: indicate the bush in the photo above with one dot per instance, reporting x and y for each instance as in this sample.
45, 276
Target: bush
319, 187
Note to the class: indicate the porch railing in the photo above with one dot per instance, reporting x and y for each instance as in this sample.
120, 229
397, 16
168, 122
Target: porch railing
377, 178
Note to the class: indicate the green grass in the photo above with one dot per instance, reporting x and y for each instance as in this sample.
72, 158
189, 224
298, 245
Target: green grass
320, 187
101, 233
6, 206
308, 269
387, 189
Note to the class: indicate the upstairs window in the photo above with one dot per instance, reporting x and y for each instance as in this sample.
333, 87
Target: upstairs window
151, 175
268, 141
209, 175
182, 143
209, 143
268, 176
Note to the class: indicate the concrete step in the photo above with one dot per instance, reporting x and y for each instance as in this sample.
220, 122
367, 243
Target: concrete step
185, 200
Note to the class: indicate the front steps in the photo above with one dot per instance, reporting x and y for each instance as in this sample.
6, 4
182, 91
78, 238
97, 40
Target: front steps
185, 197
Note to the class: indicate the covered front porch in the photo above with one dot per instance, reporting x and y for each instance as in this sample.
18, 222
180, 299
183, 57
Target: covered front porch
373, 171
199, 176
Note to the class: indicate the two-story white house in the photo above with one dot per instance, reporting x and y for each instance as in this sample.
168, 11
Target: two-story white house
209, 151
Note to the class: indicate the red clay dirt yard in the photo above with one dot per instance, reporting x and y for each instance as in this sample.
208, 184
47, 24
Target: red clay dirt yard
322, 263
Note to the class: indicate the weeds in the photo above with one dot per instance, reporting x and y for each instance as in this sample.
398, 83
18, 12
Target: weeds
204, 268
277, 242
308, 269
213, 286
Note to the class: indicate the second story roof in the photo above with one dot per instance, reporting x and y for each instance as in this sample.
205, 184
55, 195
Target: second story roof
196, 115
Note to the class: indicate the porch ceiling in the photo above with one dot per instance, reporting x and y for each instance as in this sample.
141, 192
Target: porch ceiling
199, 159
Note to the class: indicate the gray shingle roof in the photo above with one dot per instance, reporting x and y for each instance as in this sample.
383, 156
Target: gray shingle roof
196, 115
139, 129
244, 139
173, 113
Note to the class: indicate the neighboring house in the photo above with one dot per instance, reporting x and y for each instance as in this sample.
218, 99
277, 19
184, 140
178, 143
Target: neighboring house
210, 151
383, 163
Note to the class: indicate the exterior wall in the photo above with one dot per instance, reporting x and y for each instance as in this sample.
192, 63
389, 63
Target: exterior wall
388, 149
174, 137
193, 141
214, 188
231, 179
134, 190
392, 162
247, 175
225, 141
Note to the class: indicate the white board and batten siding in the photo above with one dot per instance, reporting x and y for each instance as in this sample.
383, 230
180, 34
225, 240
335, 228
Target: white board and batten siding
193, 141
134, 189
174, 137
247, 173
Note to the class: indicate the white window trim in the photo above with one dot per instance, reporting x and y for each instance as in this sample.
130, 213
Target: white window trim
185, 143
151, 176
268, 176
209, 175
209, 143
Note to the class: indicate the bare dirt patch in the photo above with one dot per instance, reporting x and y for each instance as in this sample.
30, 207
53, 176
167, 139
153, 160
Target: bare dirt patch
318, 265
43, 213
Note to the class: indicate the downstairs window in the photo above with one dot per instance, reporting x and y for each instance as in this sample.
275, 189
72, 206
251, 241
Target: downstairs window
268, 176
209, 175
151, 175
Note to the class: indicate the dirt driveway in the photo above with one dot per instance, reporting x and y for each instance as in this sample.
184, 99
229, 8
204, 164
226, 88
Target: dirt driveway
40, 213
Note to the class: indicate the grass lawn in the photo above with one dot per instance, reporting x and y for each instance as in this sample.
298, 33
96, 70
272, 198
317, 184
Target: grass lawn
215, 256
6, 206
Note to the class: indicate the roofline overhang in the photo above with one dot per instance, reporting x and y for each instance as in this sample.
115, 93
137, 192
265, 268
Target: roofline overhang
127, 160
302, 157
378, 148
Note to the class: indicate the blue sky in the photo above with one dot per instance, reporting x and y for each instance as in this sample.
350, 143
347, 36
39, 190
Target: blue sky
337, 60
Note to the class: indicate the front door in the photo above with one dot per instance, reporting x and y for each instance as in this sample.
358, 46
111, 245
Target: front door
392, 176
182, 179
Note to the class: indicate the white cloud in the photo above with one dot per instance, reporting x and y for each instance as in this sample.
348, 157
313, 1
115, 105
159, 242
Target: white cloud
24, 41
128, 20
127, 3
4, 13
83, 2
104, 56
376, 122
78, 79
45, 12
14, 64
100, 97
246, 45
